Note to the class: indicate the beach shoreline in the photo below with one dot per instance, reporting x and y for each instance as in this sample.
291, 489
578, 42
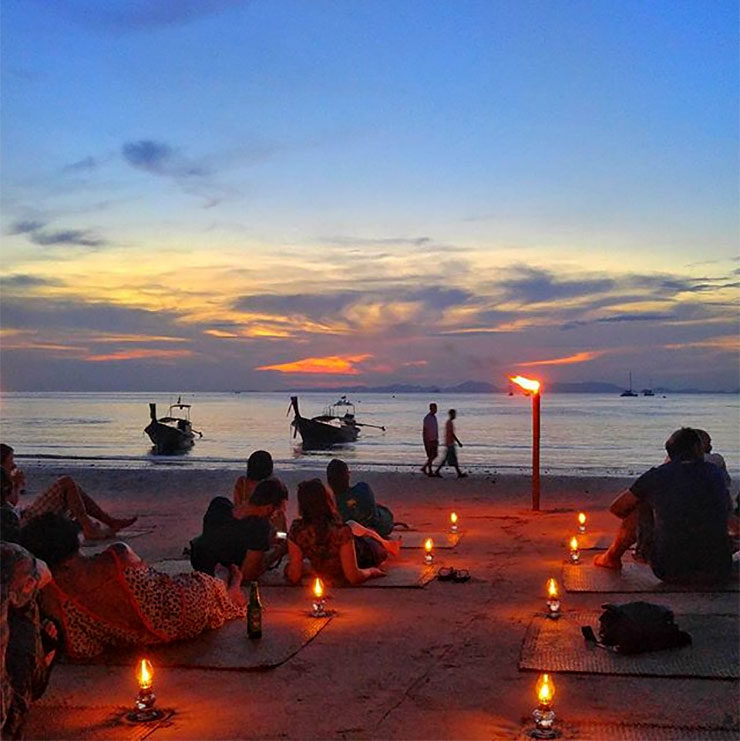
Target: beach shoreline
438, 662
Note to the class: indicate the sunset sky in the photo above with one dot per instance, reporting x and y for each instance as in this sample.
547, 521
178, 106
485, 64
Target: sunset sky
265, 194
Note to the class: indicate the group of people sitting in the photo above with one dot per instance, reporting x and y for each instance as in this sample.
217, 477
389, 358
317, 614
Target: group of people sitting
676, 514
52, 592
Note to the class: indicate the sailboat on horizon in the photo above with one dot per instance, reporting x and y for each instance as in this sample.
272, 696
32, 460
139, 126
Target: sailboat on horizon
629, 391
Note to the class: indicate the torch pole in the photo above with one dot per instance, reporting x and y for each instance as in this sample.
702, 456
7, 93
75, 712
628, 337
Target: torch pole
536, 451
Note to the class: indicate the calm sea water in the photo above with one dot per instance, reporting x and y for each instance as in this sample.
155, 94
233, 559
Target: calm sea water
581, 433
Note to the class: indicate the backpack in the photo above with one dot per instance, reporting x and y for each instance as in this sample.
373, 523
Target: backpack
636, 627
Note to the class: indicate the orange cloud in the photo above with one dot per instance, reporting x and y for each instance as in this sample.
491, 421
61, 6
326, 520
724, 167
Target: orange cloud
728, 342
580, 357
138, 355
339, 365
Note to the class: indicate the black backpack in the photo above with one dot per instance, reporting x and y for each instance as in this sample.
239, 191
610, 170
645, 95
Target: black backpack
636, 627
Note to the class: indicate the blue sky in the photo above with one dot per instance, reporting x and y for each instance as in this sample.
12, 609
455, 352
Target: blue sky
262, 194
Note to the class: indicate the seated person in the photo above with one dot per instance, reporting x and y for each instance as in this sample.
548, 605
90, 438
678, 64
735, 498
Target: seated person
320, 536
677, 514
114, 599
64, 496
715, 458
357, 503
27, 643
259, 468
250, 542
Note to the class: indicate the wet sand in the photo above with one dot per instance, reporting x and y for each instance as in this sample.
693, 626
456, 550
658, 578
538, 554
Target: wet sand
438, 662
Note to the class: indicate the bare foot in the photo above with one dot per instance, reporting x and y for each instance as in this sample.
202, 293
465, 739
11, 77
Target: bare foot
121, 523
96, 531
607, 562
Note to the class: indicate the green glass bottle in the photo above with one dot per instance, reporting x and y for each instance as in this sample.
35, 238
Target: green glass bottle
254, 612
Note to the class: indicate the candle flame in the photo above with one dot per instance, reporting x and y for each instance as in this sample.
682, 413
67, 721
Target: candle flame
428, 545
528, 384
574, 543
453, 518
545, 689
318, 588
552, 588
145, 675
581, 518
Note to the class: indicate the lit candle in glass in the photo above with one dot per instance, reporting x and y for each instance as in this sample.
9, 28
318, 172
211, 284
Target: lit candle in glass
453, 522
318, 606
581, 522
575, 556
428, 555
144, 710
553, 599
544, 715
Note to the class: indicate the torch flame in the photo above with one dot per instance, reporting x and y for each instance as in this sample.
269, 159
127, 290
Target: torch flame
528, 384
552, 588
574, 543
453, 518
428, 545
581, 518
145, 675
318, 588
545, 690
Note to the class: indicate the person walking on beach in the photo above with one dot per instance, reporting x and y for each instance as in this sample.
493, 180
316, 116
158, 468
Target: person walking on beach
451, 440
430, 436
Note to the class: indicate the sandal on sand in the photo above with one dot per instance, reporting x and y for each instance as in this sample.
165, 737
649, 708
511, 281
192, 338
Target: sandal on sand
446, 573
460, 575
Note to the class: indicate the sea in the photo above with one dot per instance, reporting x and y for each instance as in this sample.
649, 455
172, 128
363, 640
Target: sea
581, 434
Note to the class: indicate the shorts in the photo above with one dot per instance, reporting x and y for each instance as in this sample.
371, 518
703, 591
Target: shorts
451, 456
432, 448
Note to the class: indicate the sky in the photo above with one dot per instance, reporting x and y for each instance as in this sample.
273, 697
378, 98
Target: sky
275, 194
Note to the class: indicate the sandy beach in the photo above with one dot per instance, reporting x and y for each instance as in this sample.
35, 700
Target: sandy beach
438, 662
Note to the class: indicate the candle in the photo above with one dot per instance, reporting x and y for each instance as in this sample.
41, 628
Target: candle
553, 599
318, 606
543, 714
453, 522
581, 522
575, 556
144, 710
428, 545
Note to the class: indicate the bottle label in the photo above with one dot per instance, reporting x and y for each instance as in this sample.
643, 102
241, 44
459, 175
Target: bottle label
254, 623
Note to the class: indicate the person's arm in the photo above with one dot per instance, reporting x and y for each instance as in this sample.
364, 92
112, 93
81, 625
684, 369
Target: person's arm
457, 440
352, 572
294, 567
624, 504
360, 530
253, 565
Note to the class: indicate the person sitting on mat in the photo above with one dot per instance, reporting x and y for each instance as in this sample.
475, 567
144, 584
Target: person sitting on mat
259, 468
357, 503
333, 548
114, 599
249, 542
63, 496
677, 514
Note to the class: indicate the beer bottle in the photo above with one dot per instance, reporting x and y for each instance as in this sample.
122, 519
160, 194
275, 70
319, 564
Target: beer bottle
254, 612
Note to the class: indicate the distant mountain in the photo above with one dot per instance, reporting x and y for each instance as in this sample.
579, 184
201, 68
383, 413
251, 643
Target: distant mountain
483, 387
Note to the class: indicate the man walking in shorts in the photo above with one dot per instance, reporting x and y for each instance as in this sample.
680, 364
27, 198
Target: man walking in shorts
450, 441
430, 436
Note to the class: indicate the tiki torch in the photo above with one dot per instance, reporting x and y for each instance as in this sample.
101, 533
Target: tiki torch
532, 388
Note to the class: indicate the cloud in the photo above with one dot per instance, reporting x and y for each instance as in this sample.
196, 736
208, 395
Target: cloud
581, 357
729, 343
533, 285
25, 227
21, 280
143, 353
83, 165
336, 365
345, 241
144, 15
72, 237
159, 158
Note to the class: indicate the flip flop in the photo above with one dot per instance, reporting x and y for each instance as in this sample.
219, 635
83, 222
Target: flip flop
446, 573
460, 575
